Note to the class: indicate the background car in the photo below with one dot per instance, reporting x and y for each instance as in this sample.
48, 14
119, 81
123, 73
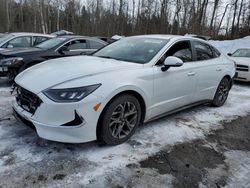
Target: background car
22, 40
108, 95
106, 39
242, 59
62, 33
15, 61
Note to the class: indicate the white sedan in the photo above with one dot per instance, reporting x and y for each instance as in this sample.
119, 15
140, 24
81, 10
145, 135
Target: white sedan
108, 95
242, 60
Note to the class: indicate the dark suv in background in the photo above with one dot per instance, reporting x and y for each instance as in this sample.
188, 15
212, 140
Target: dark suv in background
16, 60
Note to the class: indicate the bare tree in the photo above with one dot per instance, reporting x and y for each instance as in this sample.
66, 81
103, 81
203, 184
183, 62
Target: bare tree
127, 17
234, 17
239, 15
216, 2
224, 13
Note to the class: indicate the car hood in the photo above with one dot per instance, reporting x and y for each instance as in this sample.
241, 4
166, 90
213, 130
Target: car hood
58, 71
241, 60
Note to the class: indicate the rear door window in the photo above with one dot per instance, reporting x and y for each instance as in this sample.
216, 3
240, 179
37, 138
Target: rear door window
39, 39
95, 45
215, 52
203, 51
19, 42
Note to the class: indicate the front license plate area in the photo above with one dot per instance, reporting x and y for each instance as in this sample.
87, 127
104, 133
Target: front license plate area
4, 69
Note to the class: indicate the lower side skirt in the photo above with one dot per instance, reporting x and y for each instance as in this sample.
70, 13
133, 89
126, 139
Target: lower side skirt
180, 109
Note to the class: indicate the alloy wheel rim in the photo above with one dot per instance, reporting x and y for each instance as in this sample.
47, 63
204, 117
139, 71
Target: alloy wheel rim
123, 120
223, 92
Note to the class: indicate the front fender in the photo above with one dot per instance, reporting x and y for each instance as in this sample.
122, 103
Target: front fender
122, 89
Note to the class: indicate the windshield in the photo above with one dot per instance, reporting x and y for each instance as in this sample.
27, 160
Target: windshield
242, 53
51, 43
4, 37
137, 50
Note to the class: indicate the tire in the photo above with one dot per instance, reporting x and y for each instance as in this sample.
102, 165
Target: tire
221, 93
120, 120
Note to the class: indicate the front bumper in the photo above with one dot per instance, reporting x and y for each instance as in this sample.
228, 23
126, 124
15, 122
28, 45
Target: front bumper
52, 121
242, 76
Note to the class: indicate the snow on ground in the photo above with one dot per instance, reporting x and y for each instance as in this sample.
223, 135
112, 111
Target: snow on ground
239, 163
23, 155
229, 46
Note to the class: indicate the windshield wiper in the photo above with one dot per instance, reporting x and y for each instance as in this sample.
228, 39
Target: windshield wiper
108, 57
38, 47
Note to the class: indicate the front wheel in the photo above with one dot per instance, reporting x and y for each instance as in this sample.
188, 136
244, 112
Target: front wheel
120, 120
221, 93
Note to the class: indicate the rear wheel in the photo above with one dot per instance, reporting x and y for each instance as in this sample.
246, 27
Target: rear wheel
221, 93
120, 120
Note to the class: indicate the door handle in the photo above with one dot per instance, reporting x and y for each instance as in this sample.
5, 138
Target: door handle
219, 69
191, 74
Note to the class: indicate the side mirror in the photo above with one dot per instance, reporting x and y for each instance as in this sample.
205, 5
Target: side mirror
229, 54
63, 49
171, 61
10, 46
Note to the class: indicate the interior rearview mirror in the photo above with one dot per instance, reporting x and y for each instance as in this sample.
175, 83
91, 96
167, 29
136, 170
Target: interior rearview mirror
171, 61
63, 49
229, 54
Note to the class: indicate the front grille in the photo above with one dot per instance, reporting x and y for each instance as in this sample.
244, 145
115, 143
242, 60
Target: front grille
242, 68
27, 100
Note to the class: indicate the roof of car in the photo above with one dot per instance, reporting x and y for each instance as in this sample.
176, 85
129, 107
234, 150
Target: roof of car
79, 36
73, 36
158, 36
169, 37
29, 34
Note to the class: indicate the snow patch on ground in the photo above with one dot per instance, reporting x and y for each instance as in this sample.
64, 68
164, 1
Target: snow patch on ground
239, 168
25, 148
140, 178
229, 46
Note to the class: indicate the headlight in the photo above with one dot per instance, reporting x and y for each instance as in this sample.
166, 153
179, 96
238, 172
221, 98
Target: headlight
11, 61
71, 94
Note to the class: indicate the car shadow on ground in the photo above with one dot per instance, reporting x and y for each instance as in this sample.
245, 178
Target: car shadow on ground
242, 83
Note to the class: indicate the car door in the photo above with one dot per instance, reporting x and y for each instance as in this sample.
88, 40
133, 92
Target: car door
208, 70
175, 87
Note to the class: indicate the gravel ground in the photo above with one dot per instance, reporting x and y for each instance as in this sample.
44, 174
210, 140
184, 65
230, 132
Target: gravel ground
200, 147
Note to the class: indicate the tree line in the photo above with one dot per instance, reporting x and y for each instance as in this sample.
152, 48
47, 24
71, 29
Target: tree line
215, 18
